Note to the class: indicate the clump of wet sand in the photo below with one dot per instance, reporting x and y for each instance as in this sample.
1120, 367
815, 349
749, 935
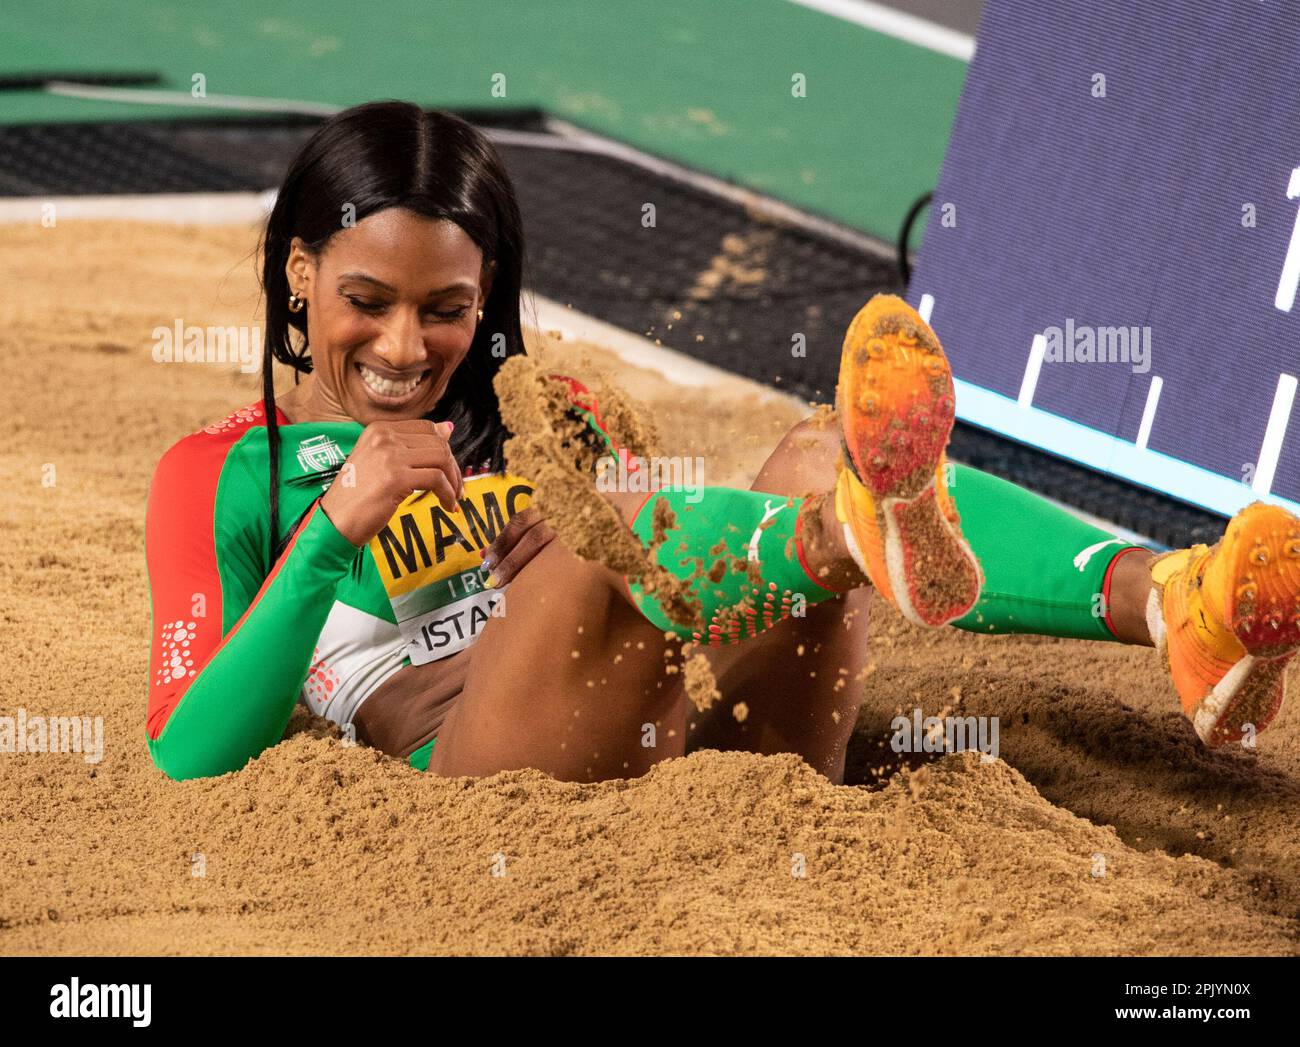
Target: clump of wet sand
554, 448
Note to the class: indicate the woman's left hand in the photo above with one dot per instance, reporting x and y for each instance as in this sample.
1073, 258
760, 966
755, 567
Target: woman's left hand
526, 535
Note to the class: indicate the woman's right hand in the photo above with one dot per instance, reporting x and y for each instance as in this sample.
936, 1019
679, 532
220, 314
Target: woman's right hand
390, 461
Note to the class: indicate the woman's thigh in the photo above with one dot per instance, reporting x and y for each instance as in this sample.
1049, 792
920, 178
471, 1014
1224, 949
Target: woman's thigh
570, 680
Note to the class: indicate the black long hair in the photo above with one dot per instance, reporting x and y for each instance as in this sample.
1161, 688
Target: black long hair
394, 154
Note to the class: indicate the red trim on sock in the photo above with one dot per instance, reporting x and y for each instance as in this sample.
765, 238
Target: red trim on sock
1105, 584
585, 400
803, 562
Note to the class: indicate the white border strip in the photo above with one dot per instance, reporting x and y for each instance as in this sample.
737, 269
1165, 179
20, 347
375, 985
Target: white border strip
898, 24
169, 208
183, 99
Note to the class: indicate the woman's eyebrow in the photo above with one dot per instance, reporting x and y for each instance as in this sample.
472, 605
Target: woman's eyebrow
364, 278
459, 285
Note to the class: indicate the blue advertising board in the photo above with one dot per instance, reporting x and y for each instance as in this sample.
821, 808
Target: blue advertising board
1113, 251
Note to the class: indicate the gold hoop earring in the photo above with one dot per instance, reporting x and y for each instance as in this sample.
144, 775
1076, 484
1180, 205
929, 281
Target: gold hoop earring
296, 302
480, 316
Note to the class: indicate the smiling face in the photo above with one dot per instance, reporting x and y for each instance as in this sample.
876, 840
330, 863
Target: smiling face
392, 306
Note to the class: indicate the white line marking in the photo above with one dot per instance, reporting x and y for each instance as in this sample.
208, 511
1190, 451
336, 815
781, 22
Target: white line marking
148, 96
897, 24
926, 307
1149, 411
1030, 381
1286, 284
1271, 449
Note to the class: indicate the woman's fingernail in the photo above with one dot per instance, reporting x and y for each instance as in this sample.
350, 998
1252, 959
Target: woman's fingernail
492, 582
489, 561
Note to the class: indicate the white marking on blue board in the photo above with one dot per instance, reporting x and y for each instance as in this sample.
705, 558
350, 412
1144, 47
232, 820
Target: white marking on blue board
1286, 284
1030, 381
1088, 446
1278, 419
1149, 411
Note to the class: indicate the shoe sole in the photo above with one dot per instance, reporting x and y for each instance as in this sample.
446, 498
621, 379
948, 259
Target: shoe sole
1243, 703
896, 408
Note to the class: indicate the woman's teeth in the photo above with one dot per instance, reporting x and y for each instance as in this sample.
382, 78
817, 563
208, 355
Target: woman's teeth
386, 386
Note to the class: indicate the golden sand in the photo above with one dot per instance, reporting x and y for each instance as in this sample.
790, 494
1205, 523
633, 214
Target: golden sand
1106, 828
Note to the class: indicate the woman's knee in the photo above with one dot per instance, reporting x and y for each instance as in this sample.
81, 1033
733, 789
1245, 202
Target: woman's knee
804, 462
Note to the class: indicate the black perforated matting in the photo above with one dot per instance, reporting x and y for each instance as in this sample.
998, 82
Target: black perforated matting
707, 277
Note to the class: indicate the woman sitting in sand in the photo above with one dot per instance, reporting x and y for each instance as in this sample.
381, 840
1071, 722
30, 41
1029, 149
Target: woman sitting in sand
350, 544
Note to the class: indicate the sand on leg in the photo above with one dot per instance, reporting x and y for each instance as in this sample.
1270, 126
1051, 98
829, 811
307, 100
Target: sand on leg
799, 685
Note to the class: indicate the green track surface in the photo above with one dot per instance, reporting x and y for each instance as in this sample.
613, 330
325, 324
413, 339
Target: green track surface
703, 82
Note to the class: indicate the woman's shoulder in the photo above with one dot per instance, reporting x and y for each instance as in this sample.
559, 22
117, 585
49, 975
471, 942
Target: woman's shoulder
194, 483
205, 450
239, 421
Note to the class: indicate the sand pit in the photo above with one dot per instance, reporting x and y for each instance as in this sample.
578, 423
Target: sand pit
322, 847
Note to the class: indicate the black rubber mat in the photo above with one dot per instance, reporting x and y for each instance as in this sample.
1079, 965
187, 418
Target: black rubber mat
708, 277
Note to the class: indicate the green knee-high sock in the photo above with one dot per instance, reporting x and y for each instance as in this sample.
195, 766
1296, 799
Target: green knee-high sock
726, 541
1045, 570
757, 532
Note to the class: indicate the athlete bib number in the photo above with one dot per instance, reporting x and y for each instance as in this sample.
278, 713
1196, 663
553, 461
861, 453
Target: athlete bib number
447, 616
431, 564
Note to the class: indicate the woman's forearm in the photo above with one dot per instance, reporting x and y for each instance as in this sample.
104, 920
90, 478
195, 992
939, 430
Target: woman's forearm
238, 704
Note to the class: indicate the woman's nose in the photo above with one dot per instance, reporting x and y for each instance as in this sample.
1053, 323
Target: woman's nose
402, 345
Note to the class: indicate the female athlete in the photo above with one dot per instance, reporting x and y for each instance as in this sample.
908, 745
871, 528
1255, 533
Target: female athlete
349, 545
